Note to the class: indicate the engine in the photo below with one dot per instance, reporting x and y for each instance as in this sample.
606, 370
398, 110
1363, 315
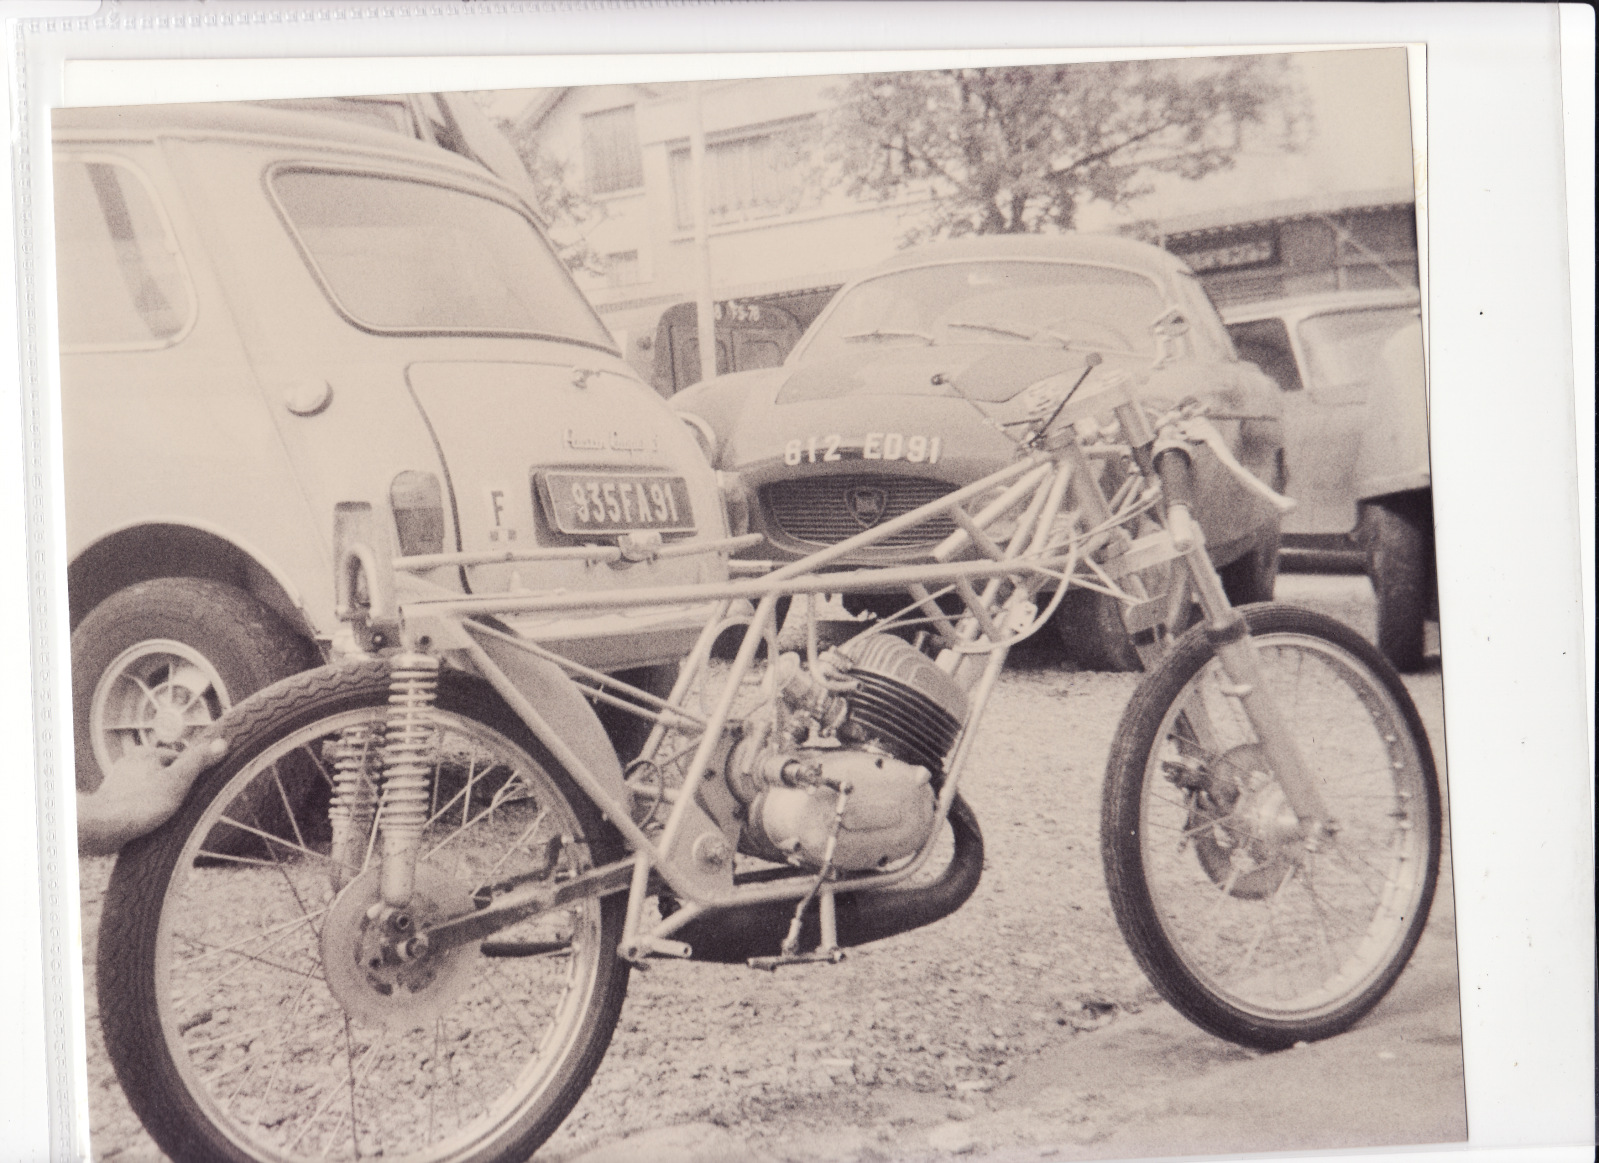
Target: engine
870, 729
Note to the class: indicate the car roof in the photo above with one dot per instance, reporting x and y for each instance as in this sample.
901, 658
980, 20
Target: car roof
242, 119
1070, 247
1300, 306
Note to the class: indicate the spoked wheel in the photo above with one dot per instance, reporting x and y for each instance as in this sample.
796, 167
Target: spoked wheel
244, 1005
1253, 933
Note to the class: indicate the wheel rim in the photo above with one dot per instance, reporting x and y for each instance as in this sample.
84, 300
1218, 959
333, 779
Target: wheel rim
1276, 928
159, 692
264, 1048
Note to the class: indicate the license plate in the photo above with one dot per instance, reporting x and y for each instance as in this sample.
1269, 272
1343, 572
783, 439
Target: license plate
614, 502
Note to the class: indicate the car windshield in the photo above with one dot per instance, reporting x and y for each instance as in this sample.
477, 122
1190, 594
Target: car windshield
1000, 301
408, 256
1343, 348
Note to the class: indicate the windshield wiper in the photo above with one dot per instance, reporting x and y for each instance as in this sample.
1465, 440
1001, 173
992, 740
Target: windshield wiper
996, 328
880, 333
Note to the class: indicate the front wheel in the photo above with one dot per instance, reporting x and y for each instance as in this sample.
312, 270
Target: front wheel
1250, 931
242, 1010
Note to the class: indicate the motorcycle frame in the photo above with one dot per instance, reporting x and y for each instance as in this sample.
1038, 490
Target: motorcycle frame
1047, 472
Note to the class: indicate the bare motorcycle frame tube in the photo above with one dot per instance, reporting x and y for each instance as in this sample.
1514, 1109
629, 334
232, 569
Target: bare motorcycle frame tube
1053, 476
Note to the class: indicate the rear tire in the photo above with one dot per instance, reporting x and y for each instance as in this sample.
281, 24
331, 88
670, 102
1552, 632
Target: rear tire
1247, 931
238, 1037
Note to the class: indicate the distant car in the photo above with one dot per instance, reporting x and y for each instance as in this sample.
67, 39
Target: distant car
264, 312
886, 402
1353, 386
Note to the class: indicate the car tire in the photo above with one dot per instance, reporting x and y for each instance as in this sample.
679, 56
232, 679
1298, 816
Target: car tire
1253, 577
1089, 627
628, 732
1396, 543
156, 642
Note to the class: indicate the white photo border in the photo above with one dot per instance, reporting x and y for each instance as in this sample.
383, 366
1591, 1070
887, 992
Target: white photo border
1499, 275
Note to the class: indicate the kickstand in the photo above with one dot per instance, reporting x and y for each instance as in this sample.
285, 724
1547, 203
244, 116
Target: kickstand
827, 950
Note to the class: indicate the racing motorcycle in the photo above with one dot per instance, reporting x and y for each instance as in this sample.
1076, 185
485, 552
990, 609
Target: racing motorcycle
400, 916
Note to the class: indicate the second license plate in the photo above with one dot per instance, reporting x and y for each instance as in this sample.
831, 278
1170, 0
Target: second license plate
599, 502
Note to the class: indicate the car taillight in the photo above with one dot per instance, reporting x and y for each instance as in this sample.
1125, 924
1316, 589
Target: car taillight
418, 503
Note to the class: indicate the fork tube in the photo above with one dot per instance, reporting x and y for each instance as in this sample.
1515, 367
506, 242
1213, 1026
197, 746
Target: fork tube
1229, 635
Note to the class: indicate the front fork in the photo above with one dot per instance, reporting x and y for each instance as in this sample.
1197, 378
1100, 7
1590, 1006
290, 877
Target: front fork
405, 743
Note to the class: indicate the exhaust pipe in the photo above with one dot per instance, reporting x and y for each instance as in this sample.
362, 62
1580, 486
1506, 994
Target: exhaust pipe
734, 935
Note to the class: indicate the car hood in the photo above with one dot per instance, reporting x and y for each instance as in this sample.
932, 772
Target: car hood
965, 393
988, 373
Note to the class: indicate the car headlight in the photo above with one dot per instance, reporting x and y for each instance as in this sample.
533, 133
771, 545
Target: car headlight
735, 502
703, 433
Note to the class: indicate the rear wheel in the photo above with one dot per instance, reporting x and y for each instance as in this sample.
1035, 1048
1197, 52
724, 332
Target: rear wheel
1253, 933
241, 1009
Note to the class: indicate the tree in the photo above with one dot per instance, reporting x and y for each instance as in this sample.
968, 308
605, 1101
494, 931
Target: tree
569, 214
1019, 150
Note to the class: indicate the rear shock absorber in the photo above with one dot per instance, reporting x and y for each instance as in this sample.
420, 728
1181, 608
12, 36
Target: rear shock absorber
355, 797
407, 768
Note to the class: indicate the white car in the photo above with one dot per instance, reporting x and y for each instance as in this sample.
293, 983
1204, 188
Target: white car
265, 312
1351, 374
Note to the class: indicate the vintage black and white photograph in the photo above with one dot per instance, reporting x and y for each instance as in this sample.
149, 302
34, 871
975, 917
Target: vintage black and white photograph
873, 617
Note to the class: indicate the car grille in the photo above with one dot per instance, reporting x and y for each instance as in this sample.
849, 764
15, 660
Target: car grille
818, 510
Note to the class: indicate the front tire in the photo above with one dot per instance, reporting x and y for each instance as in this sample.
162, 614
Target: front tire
236, 1040
1250, 933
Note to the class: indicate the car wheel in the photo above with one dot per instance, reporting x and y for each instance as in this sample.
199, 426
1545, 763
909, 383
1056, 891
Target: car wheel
1395, 541
628, 732
1089, 626
156, 663
1253, 577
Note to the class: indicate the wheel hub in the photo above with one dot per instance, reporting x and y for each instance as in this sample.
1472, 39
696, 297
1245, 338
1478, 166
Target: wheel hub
1251, 844
376, 968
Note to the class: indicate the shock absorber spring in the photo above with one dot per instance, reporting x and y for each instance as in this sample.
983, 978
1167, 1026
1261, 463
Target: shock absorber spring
355, 769
407, 767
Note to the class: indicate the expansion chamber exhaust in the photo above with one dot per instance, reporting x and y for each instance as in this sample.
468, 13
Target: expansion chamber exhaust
734, 935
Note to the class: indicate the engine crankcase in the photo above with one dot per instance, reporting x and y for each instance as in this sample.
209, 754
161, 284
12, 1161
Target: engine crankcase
889, 813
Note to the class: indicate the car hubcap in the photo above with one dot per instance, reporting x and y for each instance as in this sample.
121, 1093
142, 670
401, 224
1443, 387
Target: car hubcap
158, 693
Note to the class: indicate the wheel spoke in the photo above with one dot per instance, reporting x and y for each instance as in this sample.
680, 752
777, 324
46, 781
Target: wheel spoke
304, 1062
1243, 915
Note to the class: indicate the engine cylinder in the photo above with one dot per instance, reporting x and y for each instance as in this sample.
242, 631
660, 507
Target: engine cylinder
903, 702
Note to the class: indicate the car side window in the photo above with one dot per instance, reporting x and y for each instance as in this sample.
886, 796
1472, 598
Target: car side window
1264, 343
122, 281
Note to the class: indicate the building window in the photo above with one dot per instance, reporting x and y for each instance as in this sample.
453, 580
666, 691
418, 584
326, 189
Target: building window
621, 268
610, 151
747, 178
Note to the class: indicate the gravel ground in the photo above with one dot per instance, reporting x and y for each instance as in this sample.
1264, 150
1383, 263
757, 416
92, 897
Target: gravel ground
843, 1062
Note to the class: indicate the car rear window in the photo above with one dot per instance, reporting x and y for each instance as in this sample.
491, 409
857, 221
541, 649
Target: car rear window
980, 302
122, 283
1342, 349
409, 256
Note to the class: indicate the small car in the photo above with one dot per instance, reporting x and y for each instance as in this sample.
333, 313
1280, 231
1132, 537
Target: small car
265, 312
897, 393
1353, 382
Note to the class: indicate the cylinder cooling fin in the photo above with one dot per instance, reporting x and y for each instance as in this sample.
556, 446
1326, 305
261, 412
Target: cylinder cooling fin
903, 701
